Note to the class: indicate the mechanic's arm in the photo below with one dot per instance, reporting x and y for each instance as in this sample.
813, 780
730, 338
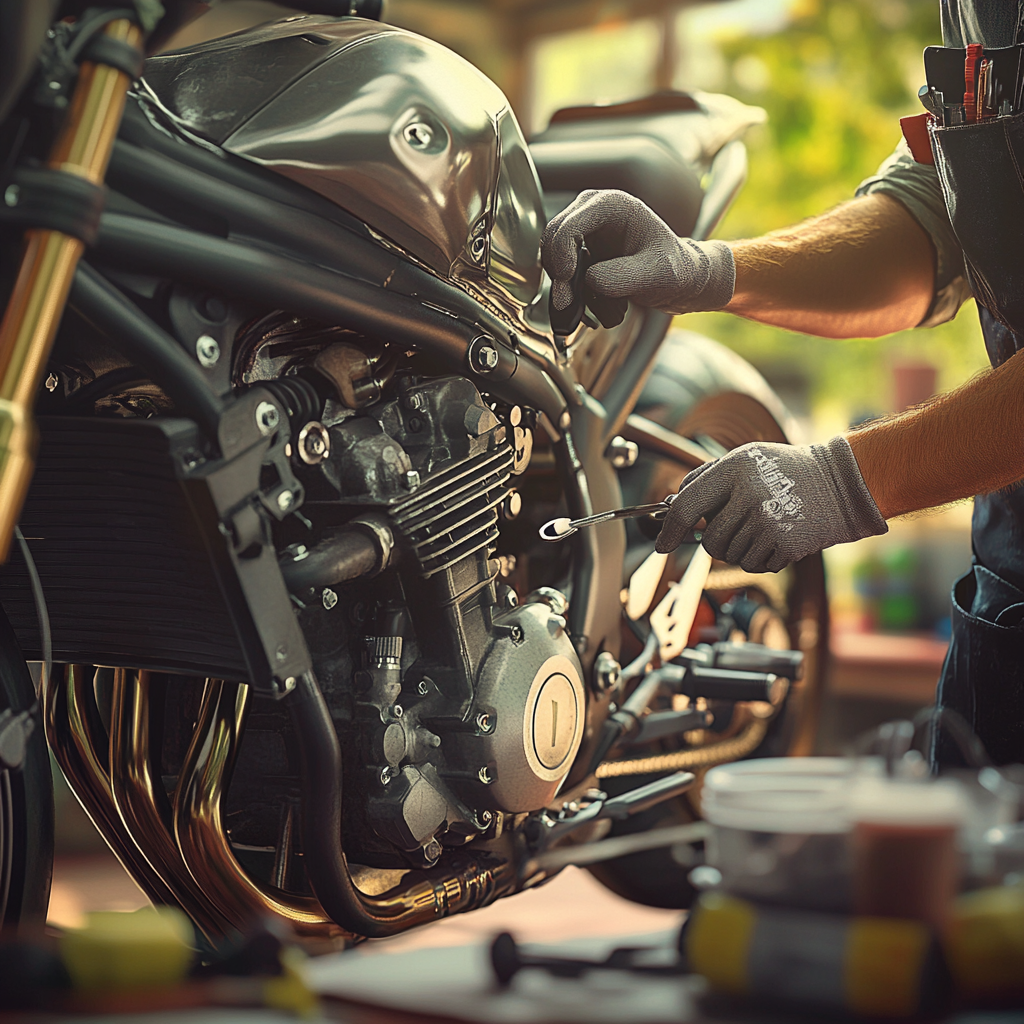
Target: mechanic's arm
863, 269
969, 441
766, 505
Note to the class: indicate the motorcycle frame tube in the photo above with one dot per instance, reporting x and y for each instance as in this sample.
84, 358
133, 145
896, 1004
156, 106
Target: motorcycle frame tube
199, 829
254, 208
147, 344
621, 398
48, 265
440, 893
270, 279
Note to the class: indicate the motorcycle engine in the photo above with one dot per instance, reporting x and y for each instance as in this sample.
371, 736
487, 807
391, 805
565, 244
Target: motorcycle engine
455, 704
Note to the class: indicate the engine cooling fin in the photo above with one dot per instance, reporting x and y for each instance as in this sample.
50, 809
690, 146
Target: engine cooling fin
455, 513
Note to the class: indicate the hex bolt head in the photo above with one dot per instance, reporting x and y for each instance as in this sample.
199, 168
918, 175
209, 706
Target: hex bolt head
330, 598
517, 634
285, 500
385, 774
412, 480
622, 453
51, 382
607, 672
397, 710
267, 417
485, 775
485, 358
431, 851
486, 817
11, 195
207, 350
484, 722
422, 689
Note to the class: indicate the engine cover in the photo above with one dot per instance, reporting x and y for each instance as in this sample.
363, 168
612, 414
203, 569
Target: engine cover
530, 682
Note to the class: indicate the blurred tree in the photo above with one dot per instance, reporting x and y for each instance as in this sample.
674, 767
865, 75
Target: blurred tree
835, 82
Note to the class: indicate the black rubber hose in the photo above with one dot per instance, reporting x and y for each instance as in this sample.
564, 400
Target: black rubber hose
138, 338
345, 556
277, 281
321, 770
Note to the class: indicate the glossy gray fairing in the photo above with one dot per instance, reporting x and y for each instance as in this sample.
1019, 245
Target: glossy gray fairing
394, 128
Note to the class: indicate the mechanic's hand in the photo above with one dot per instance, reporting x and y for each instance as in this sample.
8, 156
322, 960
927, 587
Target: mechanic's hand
635, 255
767, 505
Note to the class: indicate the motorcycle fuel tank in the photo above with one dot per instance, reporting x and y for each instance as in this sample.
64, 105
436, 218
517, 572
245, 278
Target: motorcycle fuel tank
396, 129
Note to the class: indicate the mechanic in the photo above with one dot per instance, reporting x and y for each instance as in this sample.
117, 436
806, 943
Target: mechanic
886, 261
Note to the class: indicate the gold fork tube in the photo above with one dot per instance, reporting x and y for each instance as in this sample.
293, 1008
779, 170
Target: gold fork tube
199, 827
47, 270
142, 806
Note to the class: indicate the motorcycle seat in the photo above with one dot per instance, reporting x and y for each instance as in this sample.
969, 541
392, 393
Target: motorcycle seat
658, 149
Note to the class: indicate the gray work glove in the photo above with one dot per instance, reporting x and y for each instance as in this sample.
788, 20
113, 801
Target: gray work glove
635, 255
767, 505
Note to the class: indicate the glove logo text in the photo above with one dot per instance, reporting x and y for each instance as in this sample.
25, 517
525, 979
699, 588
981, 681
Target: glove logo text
783, 503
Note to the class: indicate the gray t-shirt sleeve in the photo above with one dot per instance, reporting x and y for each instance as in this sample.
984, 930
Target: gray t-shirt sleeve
916, 186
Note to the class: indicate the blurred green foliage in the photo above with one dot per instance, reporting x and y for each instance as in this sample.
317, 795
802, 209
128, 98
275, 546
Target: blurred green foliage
835, 83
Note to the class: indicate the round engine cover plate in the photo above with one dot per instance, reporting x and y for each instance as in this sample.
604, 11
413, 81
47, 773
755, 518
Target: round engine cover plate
553, 719
530, 686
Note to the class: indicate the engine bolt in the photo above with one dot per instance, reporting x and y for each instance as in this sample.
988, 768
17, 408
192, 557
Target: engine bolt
431, 851
397, 710
285, 500
267, 417
484, 722
330, 598
385, 774
516, 632
512, 506
207, 350
486, 817
485, 358
422, 689
314, 443
412, 480
607, 672
622, 453
554, 599
485, 776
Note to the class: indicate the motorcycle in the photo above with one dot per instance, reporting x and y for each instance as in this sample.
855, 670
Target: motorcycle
299, 648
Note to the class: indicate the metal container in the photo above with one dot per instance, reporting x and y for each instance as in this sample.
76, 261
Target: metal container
780, 830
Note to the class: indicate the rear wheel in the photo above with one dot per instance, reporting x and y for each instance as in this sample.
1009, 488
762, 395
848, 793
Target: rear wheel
26, 802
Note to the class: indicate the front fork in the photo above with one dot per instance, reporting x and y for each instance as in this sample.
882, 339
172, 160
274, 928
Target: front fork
47, 269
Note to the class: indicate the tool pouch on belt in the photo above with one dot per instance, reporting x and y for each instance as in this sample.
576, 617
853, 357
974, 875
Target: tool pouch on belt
981, 170
983, 678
